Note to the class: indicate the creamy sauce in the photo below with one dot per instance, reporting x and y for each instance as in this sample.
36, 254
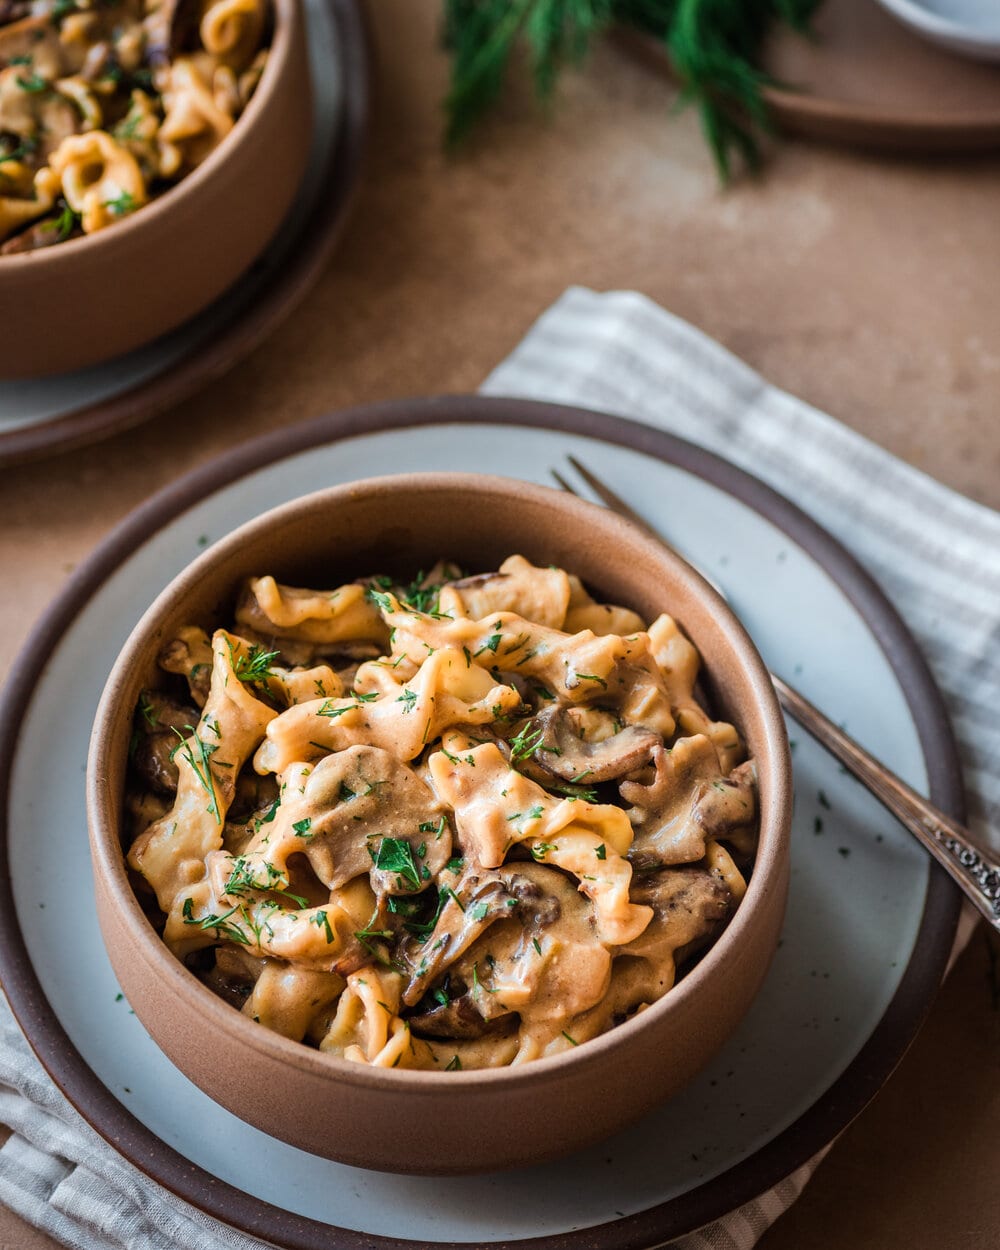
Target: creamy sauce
465, 823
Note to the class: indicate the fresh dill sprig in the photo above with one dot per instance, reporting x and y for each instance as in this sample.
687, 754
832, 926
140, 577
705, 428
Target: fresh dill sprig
712, 45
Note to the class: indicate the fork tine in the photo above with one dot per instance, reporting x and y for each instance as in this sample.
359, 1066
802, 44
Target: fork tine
563, 483
612, 500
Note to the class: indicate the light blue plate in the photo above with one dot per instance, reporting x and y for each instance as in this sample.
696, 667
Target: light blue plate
865, 937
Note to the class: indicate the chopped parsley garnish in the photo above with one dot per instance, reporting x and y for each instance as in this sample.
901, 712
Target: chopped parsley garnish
454, 1064
254, 666
478, 911
541, 849
64, 224
322, 921
570, 1039
198, 755
380, 599
591, 677
490, 644
220, 924
242, 881
345, 793
121, 206
33, 83
428, 826
525, 743
396, 855
601, 851
303, 826
455, 864
408, 698
267, 817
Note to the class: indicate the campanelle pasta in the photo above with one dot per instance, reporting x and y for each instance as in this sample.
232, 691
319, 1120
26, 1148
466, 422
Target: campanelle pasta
468, 822
105, 103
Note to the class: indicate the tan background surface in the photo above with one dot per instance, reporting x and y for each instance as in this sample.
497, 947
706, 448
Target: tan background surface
866, 285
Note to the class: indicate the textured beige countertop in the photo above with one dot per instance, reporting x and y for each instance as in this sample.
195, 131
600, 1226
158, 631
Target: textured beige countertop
866, 285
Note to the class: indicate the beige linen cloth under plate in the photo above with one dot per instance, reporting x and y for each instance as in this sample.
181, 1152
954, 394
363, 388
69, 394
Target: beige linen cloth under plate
936, 554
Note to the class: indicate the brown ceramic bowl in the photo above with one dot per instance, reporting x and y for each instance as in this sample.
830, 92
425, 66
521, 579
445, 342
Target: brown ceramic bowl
93, 298
434, 1122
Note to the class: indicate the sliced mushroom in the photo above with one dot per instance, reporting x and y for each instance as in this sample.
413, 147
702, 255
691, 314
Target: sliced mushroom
686, 801
689, 905
562, 752
540, 961
41, 234
460, 1019
354, 792
477, 899
190, 655
161, 723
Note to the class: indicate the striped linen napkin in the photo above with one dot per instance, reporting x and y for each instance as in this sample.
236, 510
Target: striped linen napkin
936, 553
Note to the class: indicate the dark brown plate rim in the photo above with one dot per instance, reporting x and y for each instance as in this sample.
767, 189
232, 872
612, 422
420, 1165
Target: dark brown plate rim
250, 321
841, 1102
830, 119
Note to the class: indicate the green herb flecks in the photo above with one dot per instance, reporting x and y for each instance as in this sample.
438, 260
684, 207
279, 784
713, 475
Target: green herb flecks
64, 224
243, 881
255, 665
408, 699
197, 753
121, 206
33, 83
396, 855
322, 921
220, 925
525, 743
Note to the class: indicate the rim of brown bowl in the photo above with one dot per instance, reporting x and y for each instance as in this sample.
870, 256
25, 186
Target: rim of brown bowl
49, 258
111, 730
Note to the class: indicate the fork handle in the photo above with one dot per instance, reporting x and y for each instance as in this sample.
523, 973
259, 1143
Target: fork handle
975, 871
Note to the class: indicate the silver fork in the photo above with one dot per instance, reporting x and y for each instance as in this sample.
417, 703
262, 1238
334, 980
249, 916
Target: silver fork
974, 869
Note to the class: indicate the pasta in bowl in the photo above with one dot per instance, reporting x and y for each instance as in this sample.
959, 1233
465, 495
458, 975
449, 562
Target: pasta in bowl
152, 144
447, 838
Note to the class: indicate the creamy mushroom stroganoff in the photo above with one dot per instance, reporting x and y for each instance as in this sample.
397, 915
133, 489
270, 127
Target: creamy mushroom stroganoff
106, 103
463, 823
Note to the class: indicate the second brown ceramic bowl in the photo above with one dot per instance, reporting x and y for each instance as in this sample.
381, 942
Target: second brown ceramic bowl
432, 1122
89, 299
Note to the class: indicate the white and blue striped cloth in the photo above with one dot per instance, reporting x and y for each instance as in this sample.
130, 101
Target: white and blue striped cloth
935, 553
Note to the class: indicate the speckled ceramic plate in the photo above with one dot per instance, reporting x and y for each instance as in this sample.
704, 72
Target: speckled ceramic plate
44, 415
869, 926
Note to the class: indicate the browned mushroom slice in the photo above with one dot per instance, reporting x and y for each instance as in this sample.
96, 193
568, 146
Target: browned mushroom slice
542, 961
161, 723
664, 816
689, 905
14, 10
42, 234
727, 807
233, 975
460, 1019
687, 801
473, 900
363, 811
190, 655
562, 751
